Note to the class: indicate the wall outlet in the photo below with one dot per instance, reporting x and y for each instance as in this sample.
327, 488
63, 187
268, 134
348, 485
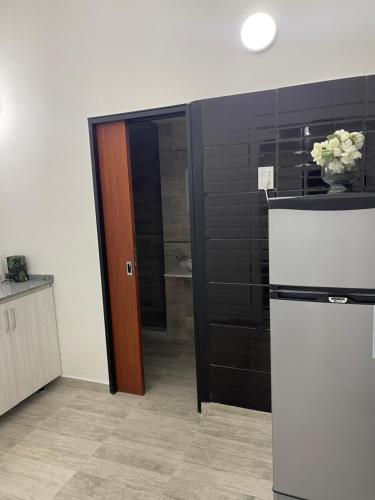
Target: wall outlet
265, 178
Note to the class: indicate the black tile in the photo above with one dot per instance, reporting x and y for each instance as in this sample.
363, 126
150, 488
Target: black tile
226, 169
370, 88
350, 90
228, 216
291, 153
238, 305
370, 123
262, 154
246, 388
228, 261
236, 216
352, 110
300, 97
237, 261
318, 114
228, 120
369, 164
351, 124
290, 132
291, 118
318, 131
258, 134
240, 347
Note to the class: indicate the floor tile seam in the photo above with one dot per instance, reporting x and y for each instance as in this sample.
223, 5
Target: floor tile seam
79, 469
38, 479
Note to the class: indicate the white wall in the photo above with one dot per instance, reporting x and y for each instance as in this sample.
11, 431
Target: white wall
62, 61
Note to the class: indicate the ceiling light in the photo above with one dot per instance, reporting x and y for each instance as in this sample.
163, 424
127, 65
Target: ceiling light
258, 32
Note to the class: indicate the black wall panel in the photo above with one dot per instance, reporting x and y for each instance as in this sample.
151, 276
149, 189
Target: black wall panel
240, 347
246, 388
231, 137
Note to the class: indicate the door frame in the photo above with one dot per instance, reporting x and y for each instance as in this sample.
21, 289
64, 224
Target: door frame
165, 112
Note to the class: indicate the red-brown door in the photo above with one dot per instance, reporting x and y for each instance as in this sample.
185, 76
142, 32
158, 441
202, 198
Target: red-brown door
119, 229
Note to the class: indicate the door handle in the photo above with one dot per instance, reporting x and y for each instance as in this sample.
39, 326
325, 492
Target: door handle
6, 318
129, 268
13, 318
338, 300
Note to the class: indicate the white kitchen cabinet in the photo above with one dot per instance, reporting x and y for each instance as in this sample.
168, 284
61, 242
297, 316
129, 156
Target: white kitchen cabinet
8, 390
29, 346
49, 352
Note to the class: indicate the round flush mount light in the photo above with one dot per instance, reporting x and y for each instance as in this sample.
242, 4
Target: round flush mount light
258, 32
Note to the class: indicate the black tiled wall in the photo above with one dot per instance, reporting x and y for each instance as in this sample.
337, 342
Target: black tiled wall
236, 135
144, 147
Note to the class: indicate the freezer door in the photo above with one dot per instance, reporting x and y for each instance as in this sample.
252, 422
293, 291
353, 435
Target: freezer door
322, 248
323, 400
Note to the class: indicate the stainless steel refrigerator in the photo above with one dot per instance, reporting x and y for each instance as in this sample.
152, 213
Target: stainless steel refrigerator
322, 275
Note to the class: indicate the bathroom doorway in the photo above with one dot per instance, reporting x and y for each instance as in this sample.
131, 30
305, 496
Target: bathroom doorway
142, 178
159, 171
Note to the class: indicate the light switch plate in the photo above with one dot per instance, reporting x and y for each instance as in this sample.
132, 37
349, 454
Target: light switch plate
265, 177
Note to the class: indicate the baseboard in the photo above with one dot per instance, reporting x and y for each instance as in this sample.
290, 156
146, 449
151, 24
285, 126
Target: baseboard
78, 383
220, 409
280, 496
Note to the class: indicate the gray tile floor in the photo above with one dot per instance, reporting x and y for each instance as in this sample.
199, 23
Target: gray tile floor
72, 443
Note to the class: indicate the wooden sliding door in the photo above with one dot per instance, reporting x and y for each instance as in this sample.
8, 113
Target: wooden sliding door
120, 248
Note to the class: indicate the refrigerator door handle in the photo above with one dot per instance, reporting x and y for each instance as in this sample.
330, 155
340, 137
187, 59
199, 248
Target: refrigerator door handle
373, 333
338, 300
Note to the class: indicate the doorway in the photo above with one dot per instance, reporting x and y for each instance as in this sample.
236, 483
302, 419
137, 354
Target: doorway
158, 156
141, 182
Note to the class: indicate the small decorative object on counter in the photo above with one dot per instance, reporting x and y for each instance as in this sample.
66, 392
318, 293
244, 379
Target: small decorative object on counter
17, 270
337, 157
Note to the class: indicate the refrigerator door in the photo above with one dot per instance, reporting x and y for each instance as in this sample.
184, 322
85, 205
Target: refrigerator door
323, 400
323, 242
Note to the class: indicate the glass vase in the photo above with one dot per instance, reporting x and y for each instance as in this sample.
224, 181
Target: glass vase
340, 177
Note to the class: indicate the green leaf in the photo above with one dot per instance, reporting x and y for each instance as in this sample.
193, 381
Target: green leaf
334, 136
327, 155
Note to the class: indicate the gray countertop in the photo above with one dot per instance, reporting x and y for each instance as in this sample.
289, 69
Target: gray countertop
10, 290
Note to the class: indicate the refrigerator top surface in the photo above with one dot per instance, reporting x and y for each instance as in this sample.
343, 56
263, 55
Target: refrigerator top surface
325, 202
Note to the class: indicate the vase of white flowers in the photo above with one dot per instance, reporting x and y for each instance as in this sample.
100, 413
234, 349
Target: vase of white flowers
337, 157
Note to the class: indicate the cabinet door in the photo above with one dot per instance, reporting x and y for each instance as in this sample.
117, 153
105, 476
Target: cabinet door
8, 389
48, 345
34, 341
25, 345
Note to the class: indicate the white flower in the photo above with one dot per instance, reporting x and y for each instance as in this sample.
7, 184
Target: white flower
334, 143
348, 146
346, 159
358, 139
343, 134
339, 151
349, 157
316, 153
